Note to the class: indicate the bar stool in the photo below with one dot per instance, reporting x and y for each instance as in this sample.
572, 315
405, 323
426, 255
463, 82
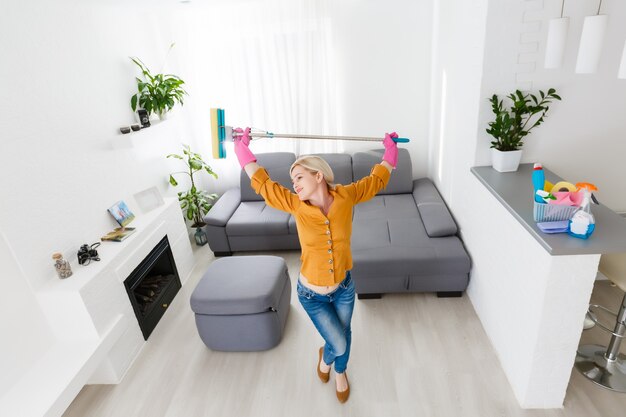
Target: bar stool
604, 365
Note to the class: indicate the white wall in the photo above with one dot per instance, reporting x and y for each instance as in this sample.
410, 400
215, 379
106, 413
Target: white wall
383, 54
64, 161
582, 139
368, 74
457, 70
66, 91
24, 330
68, 82
480, 52
71, 82
484, 48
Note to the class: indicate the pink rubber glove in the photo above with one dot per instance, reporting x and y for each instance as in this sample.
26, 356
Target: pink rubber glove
244, 154
391, 149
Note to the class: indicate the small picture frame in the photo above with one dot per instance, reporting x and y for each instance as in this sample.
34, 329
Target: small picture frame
149, 199
121, 213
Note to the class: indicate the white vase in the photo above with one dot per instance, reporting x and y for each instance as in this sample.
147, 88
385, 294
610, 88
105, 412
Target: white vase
163, 115
505, 161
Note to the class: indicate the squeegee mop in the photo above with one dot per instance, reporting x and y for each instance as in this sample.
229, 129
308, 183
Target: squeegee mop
221, 133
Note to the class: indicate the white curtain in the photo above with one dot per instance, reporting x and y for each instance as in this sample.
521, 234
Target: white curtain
269, 64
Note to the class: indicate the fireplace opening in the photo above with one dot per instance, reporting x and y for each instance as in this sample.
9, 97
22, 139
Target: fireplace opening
152, 286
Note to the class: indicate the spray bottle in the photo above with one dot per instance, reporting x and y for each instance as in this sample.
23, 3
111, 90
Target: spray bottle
539, 180
582, 224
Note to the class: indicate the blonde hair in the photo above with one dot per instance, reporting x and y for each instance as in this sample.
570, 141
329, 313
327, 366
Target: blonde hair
315, 164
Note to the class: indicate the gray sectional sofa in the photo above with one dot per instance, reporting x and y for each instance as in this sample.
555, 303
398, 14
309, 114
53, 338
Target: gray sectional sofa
403, 240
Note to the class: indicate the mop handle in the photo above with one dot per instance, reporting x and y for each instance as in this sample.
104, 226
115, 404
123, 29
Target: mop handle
278, 135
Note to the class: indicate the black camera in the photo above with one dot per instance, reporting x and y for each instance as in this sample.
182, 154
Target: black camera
88, 253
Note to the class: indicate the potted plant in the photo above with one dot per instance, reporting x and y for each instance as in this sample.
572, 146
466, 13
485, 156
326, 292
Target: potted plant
513, 124
194, 202
157, 93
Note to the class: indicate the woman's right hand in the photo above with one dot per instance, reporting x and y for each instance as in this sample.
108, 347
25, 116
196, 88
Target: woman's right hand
242, 140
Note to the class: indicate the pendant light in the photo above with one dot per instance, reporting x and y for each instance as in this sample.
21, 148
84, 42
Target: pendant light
591, 41
555, 43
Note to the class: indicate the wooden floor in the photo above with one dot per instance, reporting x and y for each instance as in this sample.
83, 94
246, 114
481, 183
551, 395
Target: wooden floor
412, 355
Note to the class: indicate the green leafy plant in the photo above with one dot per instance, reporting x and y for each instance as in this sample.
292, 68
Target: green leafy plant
194, 202
513, 124
156, 93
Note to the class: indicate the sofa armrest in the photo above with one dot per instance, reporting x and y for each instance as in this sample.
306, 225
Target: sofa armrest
223, 208
435, 214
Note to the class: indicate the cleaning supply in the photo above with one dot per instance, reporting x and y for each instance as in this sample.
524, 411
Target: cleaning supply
217, 132
539, 180
582, 224
545, 196
221, 133
553, 227
566, 198
563, 186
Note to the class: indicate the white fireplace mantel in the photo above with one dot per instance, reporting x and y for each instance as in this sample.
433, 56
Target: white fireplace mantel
97, 334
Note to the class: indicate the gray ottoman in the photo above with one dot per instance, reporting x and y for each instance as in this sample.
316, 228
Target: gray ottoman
242, 302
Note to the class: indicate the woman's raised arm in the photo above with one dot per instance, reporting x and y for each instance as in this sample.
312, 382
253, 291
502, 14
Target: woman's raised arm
246, 158
390, 157
274, 194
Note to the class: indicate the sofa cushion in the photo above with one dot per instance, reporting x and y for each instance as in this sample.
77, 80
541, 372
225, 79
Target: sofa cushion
396, 206
401, 178
223, 208
392, 247
341, 164
277, 165
436, 217
254, 218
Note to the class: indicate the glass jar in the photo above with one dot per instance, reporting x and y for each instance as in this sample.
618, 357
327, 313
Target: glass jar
64, 270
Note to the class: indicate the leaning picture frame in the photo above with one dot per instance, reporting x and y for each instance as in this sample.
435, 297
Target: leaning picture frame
121, 213
149, 199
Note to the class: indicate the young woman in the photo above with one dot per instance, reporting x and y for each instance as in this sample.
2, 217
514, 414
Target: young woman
323, 213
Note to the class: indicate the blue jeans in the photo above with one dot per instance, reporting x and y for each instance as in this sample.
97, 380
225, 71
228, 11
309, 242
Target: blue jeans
331, 314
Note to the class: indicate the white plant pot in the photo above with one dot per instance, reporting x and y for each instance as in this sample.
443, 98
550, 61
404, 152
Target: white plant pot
505, 161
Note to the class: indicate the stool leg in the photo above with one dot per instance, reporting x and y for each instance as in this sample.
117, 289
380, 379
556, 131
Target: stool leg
605, 366
620, 328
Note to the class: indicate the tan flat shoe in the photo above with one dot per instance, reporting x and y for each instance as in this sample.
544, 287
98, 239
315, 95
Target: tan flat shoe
324, 376
342, 396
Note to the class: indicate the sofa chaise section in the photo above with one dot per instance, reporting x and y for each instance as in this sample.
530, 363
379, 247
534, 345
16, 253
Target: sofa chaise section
404, 239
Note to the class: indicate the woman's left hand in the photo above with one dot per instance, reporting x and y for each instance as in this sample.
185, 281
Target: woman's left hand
391, 149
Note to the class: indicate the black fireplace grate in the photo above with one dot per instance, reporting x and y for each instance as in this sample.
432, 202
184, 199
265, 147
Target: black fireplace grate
152, 286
